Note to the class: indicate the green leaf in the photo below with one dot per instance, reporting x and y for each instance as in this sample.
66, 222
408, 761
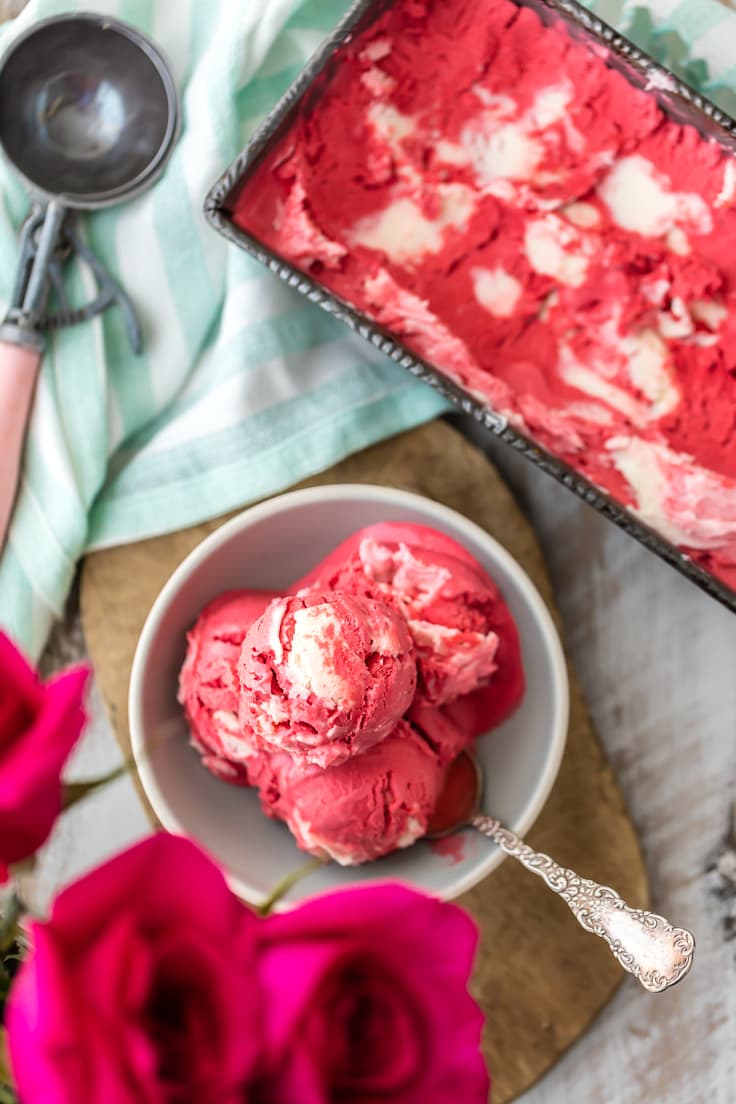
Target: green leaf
77, 791
9, 922
9, 966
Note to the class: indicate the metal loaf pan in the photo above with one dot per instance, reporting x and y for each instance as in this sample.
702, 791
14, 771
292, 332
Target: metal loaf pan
678, 100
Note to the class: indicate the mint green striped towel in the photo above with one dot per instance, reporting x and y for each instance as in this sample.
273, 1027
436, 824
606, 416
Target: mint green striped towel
243, 387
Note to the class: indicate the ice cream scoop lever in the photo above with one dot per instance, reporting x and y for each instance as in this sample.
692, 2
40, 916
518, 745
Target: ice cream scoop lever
647, 945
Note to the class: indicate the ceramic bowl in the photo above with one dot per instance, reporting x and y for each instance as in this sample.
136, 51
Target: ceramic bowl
267, 547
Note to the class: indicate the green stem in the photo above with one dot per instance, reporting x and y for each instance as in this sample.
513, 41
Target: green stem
282, 888
76, 791
7, 1095
9, 922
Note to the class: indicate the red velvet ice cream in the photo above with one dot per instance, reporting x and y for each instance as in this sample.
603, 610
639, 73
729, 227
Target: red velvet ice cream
315, 698
372, 804
465, 641
326, 676
209, 688
490, 191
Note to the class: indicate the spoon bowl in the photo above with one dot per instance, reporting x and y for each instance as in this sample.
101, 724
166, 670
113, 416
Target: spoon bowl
88, 110
461, 797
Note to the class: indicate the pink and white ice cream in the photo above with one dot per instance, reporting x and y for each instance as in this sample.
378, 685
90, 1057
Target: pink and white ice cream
326, 675
371, 804
497, 195
345, 702
209, 688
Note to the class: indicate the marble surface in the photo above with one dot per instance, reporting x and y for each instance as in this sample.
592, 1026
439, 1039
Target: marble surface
655, 658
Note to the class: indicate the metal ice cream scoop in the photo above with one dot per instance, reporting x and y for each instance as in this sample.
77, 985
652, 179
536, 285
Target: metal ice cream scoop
648, 946
89, 114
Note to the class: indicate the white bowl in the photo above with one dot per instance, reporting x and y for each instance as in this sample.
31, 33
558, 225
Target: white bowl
267, 547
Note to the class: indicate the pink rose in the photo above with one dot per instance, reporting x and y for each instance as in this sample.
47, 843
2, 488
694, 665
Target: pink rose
366, 1001
39, 725
152, 984
141, 987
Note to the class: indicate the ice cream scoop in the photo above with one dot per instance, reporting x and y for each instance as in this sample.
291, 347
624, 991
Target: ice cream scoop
89, 115
439, 730
646, 944
208, 682
366, 807
465, 640
326, 675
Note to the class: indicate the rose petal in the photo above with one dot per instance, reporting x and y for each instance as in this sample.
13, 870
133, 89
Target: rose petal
30, 769
21, 693
290, 974
348, 910
222, 1037
142, 988
299, 1079
44, 1024
116, 968
377, 1038
180, 881
46, 1021
425, 948
50, 738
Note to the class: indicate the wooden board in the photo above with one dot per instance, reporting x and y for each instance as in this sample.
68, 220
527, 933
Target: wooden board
540, 979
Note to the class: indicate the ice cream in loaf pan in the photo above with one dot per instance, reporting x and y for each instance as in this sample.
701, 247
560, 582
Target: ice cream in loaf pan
488, 190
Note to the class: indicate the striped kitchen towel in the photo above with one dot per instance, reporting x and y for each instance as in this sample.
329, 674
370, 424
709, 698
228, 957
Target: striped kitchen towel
243, 387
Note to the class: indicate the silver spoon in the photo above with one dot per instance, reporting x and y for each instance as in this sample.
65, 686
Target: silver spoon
647, 945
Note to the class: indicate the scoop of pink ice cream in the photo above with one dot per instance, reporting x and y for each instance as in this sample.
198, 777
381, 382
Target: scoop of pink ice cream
366, 807
465, 640
208, 682
326, 676
438, 728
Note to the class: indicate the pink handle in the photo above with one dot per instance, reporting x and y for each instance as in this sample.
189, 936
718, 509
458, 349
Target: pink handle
18, 373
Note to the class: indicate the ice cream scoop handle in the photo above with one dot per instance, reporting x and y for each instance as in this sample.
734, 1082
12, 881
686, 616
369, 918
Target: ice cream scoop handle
18, 372
648, 946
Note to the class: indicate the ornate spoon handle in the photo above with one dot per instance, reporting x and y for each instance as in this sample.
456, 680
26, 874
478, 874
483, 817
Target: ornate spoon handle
646, 945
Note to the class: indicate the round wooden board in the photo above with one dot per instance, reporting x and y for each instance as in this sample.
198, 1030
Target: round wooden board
539, 977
